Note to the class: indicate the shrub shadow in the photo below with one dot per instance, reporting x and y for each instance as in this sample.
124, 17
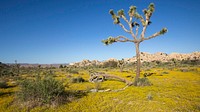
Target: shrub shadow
6, 93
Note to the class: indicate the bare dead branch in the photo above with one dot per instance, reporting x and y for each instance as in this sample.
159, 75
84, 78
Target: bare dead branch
108, 76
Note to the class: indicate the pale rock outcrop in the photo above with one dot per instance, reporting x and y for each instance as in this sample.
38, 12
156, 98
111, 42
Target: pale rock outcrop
159, 56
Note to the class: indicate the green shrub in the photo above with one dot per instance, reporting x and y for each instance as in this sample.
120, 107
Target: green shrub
143, 82
184, 70
165, 72
77, 80
40, 91
72, 71
3, 84
49, 72
146, 74
110, 64
1, 93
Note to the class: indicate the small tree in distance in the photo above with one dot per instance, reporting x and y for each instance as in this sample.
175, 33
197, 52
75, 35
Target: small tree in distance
134, 16
121, 64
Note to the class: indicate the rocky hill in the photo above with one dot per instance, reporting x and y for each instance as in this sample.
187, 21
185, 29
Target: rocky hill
159, 56
164, 57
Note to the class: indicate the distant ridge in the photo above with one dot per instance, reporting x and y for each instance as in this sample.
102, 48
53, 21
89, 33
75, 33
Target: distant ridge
147, 57
37, 64
159, 56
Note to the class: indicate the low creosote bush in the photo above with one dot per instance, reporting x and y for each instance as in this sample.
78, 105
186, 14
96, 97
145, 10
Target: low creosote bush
143, 82
165, 72
184, 70
77, 80
72, 71
149, 96
41, 91
148, 74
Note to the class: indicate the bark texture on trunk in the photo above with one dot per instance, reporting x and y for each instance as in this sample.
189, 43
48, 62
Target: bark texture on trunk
121, 69
138, 62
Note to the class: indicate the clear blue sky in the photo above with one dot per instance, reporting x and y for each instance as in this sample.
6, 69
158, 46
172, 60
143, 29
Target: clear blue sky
63, 31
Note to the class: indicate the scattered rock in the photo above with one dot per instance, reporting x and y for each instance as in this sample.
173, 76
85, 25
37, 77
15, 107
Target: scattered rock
94, 90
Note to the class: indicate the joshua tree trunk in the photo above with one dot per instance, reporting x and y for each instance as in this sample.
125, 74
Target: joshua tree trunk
121, 69
138, 61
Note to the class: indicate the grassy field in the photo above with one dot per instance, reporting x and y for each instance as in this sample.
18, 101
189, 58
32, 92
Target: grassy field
172, 91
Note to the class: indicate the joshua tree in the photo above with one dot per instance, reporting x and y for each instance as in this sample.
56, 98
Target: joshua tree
121, 64
61, 66
134, 18
174, 61
17, 68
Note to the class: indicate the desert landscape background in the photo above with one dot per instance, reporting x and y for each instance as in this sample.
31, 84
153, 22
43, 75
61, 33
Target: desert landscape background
56, 56
174, 85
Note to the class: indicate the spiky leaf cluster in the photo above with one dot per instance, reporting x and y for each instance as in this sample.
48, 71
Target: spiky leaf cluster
121, 62
149, 22
114, 17
163, 31
145, 11
143, 22
121, 13
132, 10
151, 7
137, 16
110, 40
148, 13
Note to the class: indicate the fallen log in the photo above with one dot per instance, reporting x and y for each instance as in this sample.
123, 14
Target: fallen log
100, 77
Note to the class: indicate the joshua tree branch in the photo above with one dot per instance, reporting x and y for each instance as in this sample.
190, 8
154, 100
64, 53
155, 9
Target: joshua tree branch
120, 24
152, 36
130, 26
137, 27
131, 31
111, 40
131, 18
144, 29
161, 32
142, 20
125, 39
125, 19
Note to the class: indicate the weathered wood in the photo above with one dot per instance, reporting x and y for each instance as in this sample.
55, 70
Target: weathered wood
99, 77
